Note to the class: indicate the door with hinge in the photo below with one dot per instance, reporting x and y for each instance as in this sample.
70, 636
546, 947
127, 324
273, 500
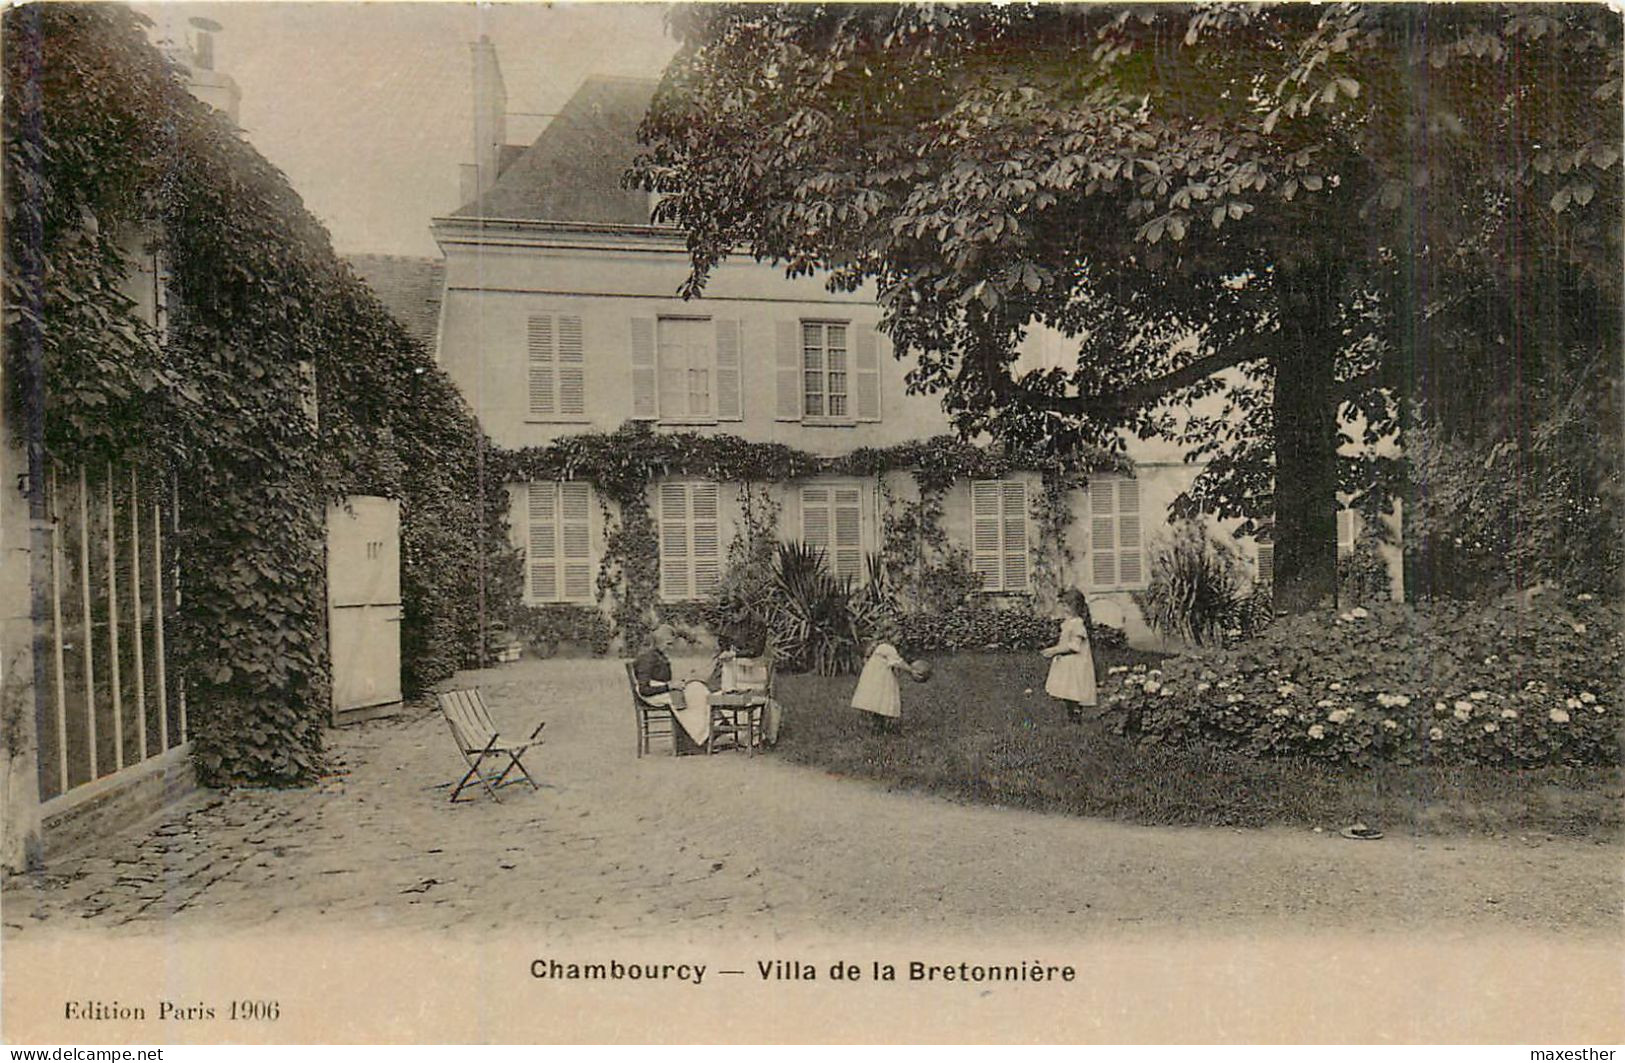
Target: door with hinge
364, 605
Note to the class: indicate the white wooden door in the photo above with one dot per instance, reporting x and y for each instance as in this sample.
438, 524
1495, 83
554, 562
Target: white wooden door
364, 603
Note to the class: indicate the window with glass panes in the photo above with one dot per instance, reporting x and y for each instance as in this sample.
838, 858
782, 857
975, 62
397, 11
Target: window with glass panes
824, 371
687, 360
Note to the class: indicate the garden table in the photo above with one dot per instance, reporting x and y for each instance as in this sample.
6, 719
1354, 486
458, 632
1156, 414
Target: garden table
744, 709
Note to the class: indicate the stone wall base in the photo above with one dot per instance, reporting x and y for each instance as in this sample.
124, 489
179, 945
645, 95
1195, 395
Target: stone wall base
109, 805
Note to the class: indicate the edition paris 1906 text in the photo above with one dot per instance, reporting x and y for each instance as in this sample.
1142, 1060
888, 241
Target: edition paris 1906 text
172, 1011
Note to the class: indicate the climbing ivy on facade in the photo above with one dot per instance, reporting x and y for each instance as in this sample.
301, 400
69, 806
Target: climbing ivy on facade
108, 156
915, 552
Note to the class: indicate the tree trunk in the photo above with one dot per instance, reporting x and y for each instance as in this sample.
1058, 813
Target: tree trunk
1306, 442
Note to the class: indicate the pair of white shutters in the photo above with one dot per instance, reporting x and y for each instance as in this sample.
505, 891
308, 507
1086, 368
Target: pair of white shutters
999, 534
557, 363
690, 540
832, 523
1115, 554
560, 550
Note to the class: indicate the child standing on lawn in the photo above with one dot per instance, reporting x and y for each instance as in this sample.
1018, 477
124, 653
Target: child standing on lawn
1072, 664
878, 693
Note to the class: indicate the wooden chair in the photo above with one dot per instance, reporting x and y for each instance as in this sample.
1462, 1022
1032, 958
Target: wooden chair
478, 740
654, 721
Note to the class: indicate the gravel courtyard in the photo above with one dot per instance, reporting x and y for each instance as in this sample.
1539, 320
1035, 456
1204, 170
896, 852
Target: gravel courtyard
617, 845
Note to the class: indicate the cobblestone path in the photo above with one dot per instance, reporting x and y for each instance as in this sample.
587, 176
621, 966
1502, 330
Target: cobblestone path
617, 845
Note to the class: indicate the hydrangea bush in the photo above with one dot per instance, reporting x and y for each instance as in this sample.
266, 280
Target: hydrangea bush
1520, 682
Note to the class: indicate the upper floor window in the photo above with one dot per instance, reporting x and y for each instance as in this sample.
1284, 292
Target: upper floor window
557, 367
832, 523
690, 540
824, 371
828, 372
685, 370
1116, 559
999, 534
558, 554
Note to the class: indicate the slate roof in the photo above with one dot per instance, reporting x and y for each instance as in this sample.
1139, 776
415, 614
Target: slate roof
410, 289
572, 172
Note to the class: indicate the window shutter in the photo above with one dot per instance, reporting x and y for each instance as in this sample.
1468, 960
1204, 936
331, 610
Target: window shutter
984, 508
540, 344
674, 552
572, 371
815, 521
788, 364
544, 572
706, 541
728, 372
1102, 534
1130, 571
867, 364
1347, 530
1014, 546
847, 557
643, 369
575, 508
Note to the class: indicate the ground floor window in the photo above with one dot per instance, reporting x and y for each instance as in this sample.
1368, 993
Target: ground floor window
108, 698
1116, 554
832, 522
558, 558
999, 534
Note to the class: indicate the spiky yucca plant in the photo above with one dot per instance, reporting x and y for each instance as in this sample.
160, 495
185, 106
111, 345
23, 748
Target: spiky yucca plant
1199, 589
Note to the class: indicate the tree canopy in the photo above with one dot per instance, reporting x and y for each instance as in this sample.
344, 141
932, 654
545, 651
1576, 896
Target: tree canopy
1371, 209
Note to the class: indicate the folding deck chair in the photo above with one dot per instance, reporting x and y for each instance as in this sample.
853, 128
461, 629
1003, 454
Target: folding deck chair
478, 740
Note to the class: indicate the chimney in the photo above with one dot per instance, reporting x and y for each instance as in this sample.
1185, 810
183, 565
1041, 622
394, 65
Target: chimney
490, 117
203, 31
192, 50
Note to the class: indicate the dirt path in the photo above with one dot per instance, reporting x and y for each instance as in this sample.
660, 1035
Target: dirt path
613, 844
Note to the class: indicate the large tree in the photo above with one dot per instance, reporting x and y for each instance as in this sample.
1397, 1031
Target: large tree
1317, 211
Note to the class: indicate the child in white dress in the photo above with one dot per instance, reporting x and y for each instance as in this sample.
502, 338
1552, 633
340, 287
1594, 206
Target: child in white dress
1072, 665
878, 692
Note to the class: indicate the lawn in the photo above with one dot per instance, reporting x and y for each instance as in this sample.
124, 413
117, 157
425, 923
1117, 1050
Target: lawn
983, 730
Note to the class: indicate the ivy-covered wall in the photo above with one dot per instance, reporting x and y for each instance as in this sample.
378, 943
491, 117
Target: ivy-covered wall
103, 141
